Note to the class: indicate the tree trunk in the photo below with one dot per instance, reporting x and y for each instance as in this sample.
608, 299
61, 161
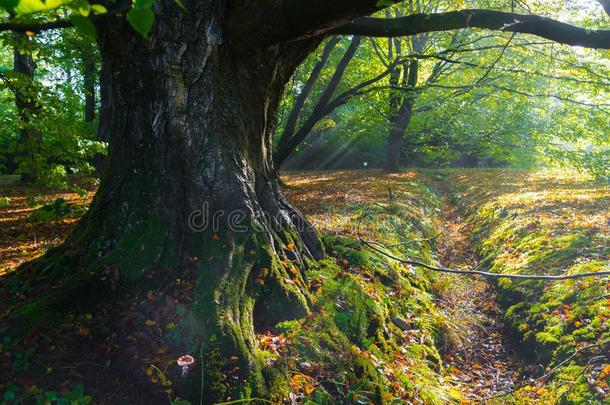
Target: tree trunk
401, 121
188, 189
30, 140
89, 76
289, 142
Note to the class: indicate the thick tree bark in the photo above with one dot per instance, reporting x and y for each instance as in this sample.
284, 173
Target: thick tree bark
188, 189
30, 139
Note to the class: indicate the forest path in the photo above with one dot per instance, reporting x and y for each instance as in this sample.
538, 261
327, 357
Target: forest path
477, 359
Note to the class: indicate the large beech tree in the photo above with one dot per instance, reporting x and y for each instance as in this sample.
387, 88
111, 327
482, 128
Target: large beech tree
189, 112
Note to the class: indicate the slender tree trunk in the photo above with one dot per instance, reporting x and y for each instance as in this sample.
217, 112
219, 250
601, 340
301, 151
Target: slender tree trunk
89, 77
288, 144
401, 120
293, 117
188, 190
30, 139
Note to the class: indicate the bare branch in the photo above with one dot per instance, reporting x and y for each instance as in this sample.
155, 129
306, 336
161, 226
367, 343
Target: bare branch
371, 245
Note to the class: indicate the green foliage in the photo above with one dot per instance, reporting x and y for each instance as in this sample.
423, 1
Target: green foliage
141, 19
56, 210
523, 106
67, 144
83, 24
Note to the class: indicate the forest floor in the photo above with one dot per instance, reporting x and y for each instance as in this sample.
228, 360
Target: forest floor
482, 366
506, 221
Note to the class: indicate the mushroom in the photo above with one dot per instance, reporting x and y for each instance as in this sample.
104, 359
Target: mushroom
185, 362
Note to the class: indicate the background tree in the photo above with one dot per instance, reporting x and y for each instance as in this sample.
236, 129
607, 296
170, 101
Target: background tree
27, 101
49, 141
473, 68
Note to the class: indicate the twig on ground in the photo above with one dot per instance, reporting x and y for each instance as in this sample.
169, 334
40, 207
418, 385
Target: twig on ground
547, 277
548, 374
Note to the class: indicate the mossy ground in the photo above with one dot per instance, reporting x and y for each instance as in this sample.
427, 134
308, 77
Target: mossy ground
374, 331
369, 336
547, 223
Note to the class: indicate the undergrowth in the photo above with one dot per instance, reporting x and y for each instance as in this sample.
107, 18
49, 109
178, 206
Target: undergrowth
374, 334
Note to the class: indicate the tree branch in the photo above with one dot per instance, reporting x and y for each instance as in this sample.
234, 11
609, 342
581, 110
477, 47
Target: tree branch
35, 27
487, 19
287, 145
309, 84
270, 22
371, 246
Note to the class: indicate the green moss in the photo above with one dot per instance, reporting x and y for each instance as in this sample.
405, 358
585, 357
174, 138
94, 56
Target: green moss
546, 319
140, 249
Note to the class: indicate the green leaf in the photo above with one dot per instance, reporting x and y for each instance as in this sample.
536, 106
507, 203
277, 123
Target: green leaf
35, 6
180, 4
9, 395
98, 9
141, 19
84, 10
83, 24
82, 7
8, 5
79, 390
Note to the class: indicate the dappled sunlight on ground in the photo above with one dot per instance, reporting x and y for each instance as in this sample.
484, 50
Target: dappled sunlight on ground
21, 239
547, 223
386, 316
338, 201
